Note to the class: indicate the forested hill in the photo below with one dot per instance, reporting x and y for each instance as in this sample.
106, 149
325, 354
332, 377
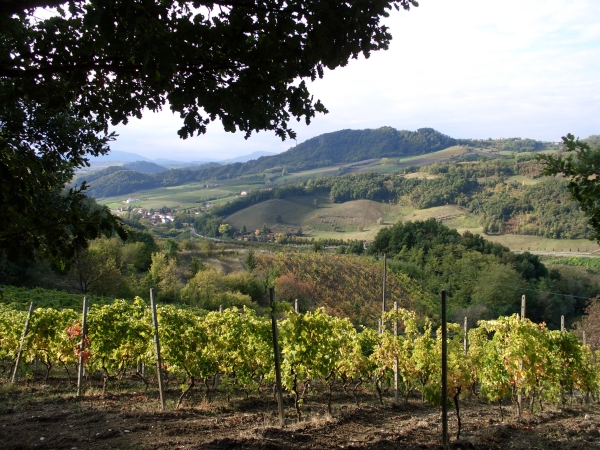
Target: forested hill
144, 167
356, 145
339, 147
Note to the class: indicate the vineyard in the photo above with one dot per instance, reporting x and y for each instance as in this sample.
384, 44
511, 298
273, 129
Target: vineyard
230, 353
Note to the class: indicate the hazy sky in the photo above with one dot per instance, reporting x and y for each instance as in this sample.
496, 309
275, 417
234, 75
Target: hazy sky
468, 68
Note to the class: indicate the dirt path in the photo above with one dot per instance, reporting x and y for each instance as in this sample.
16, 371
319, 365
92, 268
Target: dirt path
131, 421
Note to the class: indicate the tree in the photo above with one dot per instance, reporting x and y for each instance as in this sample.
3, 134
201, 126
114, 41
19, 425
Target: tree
236, 60
95, 271
66, 78
171, 248
225, 229
590, 324
40, 218
249, 260
582, 168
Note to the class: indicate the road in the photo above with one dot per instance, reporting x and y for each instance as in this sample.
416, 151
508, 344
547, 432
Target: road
577, 254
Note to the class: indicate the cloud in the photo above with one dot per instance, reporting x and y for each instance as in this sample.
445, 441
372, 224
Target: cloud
470, 68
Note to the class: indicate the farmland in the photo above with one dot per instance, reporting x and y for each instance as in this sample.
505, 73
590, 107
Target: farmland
52, 418
119, 405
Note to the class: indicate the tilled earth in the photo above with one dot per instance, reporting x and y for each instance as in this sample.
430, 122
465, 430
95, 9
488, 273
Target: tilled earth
45, 420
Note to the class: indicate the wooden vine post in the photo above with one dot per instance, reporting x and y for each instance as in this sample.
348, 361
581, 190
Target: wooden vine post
157, 351
562, 324
80, 372
520, 395
384, 281
87, 312
396, 380
444, 374
466, 342
276, 356
21, 342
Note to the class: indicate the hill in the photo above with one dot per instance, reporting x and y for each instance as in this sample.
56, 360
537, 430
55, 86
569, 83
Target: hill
356, 145
144, 167
322, 151
119, 156
338, 148
303, 212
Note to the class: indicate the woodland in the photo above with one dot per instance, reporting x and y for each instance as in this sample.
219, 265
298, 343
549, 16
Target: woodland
340, 147
483, 279
484, 188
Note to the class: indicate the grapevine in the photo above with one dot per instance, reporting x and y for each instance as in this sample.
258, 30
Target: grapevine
506, 357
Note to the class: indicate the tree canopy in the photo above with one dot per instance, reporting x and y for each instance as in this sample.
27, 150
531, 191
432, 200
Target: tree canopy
582, 168
69, 73
236, 60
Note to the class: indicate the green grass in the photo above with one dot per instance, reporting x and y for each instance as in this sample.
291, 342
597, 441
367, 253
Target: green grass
588, 263
438, 212
324, 219
522, 179
466, 222
184, 196
541, 244
292, 211
436, 156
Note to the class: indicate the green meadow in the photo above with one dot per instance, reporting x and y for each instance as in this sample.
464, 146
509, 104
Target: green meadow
320, 218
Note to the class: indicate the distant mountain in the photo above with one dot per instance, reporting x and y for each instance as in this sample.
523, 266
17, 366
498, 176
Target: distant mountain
339, 147
243, 158
119, 156
246, 158
144, 167
331, 148
355, 145
168, 161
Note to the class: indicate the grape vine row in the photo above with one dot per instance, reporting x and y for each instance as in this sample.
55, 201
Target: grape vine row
505, 357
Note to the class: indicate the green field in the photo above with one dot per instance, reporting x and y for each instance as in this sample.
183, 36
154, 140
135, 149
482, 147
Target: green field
521, 179
185, 196
319, 217
358, 220
323, 219
191, 195
541, 244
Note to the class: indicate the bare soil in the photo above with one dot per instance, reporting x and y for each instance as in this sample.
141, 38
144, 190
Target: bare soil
48, 417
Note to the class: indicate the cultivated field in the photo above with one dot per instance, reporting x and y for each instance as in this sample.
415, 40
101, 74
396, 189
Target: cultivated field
521, 179
190, 195
48, 416
319, 217
323, 219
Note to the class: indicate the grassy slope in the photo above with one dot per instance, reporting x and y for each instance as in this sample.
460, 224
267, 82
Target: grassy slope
342, 221
338, 220
315, 219
184, 196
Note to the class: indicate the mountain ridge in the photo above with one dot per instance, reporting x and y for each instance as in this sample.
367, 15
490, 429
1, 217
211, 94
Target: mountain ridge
343, 146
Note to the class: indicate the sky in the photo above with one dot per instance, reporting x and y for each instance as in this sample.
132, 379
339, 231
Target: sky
467, 68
